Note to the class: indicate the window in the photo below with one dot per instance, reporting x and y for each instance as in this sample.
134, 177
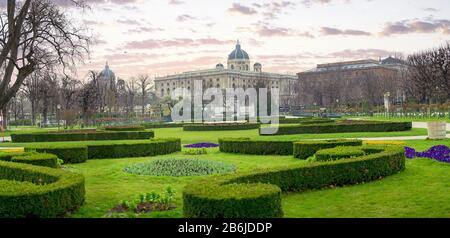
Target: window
232, 66
218, 85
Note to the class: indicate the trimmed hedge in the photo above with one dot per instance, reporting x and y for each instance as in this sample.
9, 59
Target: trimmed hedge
70, 154
125, 128
220, 127
46, 160
365, 126
258, 194
338, 153
82, 136
304, 121
35, 191
137, 149
305, 149
162, 125
247, 146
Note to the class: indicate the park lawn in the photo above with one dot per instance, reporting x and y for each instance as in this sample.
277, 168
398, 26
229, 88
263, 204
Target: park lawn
420, 191
188, 137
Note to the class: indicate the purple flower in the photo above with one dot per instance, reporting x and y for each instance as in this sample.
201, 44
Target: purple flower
439, 153
202, 145
410, 153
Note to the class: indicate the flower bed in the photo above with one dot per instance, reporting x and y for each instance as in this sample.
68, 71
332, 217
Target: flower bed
440, 153
180, 167
202, 145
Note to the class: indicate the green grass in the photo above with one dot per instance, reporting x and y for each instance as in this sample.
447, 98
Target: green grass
420, 191
188, 137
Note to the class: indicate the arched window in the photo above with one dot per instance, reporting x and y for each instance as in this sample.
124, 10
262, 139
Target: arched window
218, 85
162, 92
232, 66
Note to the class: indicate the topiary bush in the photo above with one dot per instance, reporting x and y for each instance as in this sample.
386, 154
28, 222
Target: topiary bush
82, 136
305, 149
40, 159
36, 191
342, 127
180, 167
134, 149
125, 128
258, 194
338, 153
162, 125
220, 127
247, 146
70, 154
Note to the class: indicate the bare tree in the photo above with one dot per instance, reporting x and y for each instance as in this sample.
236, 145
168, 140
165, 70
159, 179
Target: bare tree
144, 83
36, 35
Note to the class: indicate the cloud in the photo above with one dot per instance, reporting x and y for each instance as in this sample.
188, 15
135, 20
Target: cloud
360, 54
240, 9
430, 9
178, 42
273, 9
185, 17
273, 31
347, 32
128, 22
144, 29
176, 2
416, 26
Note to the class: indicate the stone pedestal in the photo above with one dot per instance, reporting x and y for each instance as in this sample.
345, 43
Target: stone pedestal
437, 130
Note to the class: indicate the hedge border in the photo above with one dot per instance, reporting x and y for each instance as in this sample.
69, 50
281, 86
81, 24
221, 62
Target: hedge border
337, 153
255, 147
138, 149
39, 159
258, 194
125, 128
367, 126
70, 154
221, 127
307, 148
58, 192
55, 137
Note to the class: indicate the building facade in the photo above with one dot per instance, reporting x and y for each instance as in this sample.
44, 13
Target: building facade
352, 82
238, 74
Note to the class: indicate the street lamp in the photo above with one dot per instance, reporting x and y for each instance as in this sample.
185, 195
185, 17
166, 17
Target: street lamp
58, 114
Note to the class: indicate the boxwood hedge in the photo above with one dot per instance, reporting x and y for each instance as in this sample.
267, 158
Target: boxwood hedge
305, 149
82, 136
40, 159
134, 149
258, 194
125, 128
35, 191
365, 126
70, 154
255, 147
162, 125
338, 153
220, 127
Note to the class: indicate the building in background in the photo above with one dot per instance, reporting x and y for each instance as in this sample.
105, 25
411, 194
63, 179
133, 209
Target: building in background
238, 74
352, 83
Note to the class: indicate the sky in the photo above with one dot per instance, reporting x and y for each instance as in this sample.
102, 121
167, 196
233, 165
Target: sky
161, 37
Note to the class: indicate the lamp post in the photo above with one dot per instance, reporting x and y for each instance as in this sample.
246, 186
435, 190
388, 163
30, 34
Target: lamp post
58, 114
